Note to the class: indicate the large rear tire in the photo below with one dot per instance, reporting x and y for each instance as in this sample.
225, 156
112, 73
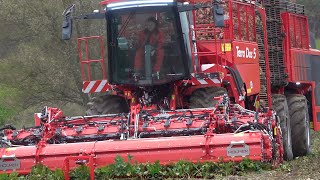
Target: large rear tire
203, 98
299, 117
107, 104
279, 104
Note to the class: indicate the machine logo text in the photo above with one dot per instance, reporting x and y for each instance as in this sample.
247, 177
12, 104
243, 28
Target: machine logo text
246, 53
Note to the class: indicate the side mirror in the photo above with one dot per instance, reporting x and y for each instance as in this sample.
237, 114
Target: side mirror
218, 15
67, 22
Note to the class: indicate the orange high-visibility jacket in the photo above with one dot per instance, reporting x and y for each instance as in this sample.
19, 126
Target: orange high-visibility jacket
156, 40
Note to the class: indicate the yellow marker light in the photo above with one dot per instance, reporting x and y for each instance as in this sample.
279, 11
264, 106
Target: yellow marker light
239, 134
311, 125
10, 149
257, 104
226, 47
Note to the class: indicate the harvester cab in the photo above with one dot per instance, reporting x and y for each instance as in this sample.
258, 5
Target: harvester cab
145, 43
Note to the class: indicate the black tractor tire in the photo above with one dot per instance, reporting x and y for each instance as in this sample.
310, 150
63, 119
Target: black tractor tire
280, 106
203, 98
107, 104
300, 125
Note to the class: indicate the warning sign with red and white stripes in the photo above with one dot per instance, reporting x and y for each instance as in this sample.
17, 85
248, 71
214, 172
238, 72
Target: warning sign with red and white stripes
207, 79
204, 81
95, 86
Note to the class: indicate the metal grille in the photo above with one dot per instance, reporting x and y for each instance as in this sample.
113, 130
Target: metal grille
275, 41
298, 31
288, 6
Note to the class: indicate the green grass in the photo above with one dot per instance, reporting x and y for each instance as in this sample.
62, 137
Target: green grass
5, 114
318, 43
7, 98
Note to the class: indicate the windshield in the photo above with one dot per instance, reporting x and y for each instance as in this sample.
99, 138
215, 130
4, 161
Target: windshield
145, 46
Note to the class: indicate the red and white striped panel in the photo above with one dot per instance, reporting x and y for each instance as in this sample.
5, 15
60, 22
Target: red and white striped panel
205, 81
95, 86
206, 68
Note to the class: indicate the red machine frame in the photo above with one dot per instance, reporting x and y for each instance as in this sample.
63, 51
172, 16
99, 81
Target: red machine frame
298, 68
223, 145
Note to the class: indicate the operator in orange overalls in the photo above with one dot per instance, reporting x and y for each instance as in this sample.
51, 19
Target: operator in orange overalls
154, 37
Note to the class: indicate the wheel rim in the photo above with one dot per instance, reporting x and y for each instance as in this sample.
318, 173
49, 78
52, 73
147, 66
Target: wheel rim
307, 131
288, 132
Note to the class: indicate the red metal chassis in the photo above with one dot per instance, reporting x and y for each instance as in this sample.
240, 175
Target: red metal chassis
218, 142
